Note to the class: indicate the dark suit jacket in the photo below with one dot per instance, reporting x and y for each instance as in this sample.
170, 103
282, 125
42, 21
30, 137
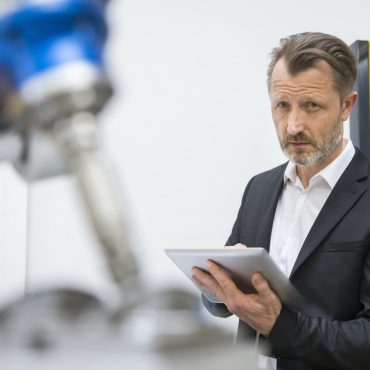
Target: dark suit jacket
332, 272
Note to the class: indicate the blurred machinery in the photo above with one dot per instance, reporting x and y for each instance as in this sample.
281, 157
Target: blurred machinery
64, 329
52, 85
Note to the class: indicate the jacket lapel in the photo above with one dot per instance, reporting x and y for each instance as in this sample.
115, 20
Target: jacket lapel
268, 213
342, 198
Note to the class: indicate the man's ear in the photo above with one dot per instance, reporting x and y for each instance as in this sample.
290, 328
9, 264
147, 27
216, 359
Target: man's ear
348, 104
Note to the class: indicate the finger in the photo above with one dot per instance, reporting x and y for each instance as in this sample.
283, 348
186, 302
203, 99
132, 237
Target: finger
224, 281
200, 285
203, 277
206, 283
236, 246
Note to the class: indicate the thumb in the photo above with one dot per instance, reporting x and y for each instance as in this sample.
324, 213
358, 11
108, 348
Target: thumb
261, 285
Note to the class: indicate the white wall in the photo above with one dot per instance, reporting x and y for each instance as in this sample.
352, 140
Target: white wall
188, 126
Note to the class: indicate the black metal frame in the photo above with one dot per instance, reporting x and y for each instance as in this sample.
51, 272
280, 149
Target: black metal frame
360, 120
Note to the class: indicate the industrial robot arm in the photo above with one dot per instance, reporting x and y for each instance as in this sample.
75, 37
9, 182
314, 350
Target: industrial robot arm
52, 85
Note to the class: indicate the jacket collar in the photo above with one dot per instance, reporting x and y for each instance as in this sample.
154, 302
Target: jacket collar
344, 195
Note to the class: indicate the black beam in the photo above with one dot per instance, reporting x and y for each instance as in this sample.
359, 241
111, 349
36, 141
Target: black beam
360, 120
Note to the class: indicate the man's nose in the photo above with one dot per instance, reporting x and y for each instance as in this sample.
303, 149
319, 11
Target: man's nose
295, 123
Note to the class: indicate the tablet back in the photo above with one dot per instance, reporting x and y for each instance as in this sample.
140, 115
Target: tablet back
239, 264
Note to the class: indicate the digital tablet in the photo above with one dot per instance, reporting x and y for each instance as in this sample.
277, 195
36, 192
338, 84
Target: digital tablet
239, 264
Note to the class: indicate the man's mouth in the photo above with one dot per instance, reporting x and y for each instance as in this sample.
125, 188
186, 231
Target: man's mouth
298, 143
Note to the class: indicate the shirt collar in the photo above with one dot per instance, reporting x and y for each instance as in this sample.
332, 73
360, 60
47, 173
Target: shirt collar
331, 173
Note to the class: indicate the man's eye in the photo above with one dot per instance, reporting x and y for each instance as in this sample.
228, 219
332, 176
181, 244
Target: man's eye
312, 105
282, 104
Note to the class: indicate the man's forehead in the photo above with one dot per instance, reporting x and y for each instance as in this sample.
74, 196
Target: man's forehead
281, 69
319, 74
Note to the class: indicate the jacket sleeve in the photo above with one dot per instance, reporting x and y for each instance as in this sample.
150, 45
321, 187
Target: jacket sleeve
216, 309
319, 341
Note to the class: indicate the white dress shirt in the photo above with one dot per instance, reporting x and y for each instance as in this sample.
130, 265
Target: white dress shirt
296, 212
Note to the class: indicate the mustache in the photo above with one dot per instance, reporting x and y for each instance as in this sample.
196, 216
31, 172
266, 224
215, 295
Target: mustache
299, 138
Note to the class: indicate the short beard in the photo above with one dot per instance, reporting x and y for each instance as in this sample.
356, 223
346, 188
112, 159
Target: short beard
321, 150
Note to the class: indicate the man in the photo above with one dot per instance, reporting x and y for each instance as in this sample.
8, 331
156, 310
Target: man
312, 214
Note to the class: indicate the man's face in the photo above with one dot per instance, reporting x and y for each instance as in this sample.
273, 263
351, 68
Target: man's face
307, 113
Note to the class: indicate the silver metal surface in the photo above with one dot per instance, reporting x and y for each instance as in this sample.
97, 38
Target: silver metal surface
60, 330
78, 140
